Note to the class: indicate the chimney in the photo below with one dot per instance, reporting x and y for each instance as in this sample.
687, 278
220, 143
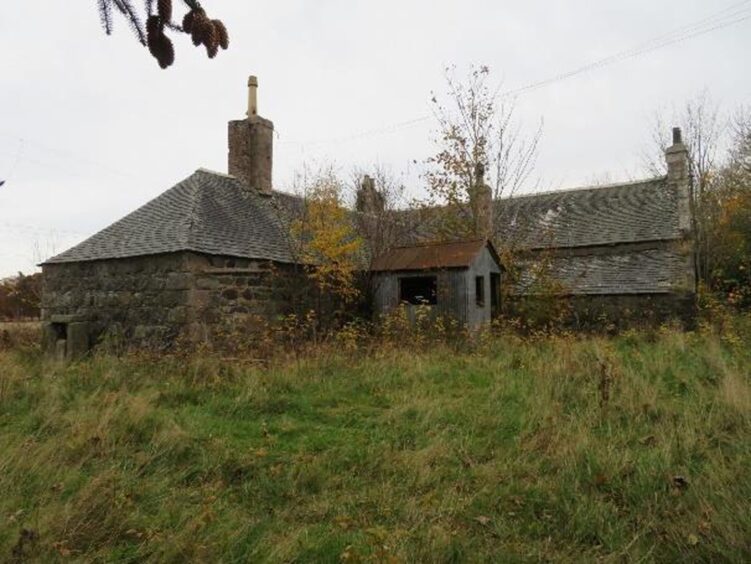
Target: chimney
369, 200
679, 179
251, 145
677, 159
481, 202
371, 205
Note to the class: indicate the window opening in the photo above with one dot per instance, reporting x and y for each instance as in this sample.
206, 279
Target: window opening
418, 290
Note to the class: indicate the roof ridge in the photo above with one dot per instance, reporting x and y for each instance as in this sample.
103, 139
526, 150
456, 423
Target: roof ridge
191, 219
232, 177
442, 243
591, 188
216, 173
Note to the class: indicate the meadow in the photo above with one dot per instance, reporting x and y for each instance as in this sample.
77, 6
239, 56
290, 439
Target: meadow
557, 448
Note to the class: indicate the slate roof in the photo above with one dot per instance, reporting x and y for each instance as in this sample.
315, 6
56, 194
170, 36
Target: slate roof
431, 256
620, 213
216, 214
650, 271
573, 223
208, 213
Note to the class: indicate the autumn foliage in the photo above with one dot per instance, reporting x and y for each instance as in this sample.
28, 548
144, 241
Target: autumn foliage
20, 297
329, 243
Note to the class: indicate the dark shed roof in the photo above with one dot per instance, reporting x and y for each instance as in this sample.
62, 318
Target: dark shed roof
207, 212
431, 256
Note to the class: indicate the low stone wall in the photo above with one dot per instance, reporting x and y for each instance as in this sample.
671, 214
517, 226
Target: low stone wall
614, 312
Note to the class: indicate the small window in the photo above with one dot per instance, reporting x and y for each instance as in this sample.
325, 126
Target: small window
480, 291
419, 290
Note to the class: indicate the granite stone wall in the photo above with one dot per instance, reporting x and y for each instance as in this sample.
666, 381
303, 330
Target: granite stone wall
155, 300
143, 299
233, 294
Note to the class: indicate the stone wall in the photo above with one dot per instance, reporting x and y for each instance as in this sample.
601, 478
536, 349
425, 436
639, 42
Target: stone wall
233, 294
154, 300
142, 299
607, 312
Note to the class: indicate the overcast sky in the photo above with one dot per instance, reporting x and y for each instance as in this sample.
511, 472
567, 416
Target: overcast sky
91, 128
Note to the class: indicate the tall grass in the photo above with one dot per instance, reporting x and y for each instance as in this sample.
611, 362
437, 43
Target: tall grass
558, 448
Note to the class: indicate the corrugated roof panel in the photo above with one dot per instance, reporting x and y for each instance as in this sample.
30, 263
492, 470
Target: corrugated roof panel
455, 254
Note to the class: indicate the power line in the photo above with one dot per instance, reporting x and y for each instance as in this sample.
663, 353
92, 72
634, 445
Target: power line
716, 21
63, 155
367, 133
25, 228
16, 160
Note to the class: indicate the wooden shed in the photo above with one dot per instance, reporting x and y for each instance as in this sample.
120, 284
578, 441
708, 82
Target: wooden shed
459, 279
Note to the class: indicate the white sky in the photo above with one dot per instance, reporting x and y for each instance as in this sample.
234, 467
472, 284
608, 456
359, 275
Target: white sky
91, 128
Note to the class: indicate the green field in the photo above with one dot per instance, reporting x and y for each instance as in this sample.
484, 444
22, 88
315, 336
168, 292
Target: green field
636, 448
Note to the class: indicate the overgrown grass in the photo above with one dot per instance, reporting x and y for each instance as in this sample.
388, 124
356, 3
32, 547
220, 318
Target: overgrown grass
563, 449
18, 334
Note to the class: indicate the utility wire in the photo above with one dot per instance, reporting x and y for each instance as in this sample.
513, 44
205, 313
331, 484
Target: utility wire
706, 25
25, 228
14, 165
726, 17
65, 155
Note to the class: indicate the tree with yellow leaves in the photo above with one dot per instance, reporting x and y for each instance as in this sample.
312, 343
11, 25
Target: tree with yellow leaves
327, 240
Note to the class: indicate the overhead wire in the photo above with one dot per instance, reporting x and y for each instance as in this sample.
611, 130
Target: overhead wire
731, 15
63, 155
711, 23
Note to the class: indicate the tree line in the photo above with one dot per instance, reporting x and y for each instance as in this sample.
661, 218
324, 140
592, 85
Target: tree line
20, 297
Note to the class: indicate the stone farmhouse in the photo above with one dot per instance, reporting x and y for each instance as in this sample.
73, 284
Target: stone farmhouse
215, 246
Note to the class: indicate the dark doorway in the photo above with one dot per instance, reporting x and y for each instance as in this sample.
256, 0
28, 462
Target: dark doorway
480, 291
495, 295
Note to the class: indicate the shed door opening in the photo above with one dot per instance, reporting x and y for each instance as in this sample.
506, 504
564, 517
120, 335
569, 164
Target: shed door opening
480, 291
418, 290
495, 294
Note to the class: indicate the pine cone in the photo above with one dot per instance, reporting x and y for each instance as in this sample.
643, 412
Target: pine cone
153, 26
202, 29
212, 36
164, 9
188, 21
221, 32
160, 46
166, 53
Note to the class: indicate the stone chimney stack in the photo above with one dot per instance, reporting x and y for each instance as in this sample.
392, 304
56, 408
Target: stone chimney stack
251, 145
481, 202
679, 179
677, 159
369, 200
